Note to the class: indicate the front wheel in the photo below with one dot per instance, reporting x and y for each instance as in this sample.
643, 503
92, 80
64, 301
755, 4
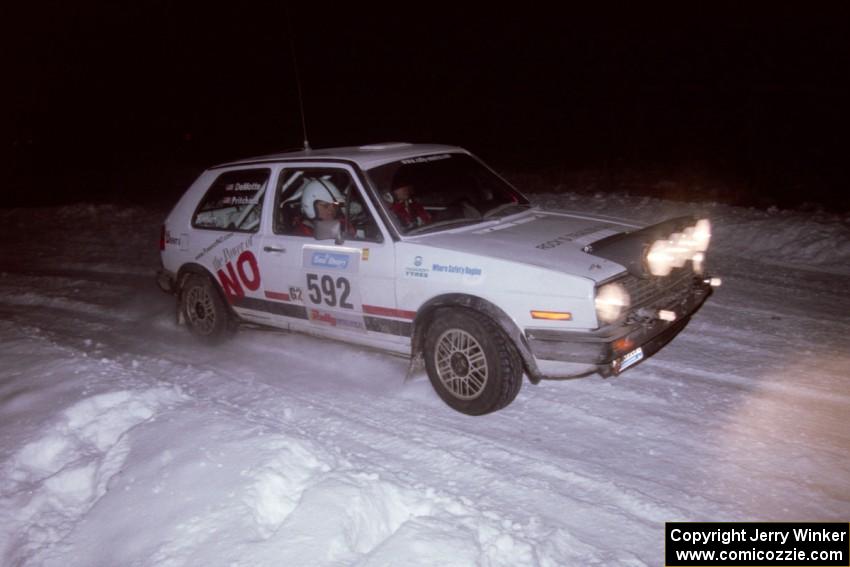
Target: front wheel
472, 365
204, 310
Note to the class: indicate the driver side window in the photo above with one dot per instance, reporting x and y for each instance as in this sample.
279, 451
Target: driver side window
305, 196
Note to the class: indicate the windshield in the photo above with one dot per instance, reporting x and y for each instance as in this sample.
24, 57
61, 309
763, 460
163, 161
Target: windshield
443, 191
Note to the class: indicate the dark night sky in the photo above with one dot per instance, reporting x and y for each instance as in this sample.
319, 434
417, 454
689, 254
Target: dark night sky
156, 90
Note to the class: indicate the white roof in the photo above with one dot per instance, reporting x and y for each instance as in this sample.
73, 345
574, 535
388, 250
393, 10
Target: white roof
366, 157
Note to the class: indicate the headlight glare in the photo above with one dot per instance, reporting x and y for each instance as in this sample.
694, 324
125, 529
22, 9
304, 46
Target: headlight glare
698, 260
675, 251
660, 258
611, 301
702, 234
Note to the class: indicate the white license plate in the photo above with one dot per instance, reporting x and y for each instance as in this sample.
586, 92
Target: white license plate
631, 358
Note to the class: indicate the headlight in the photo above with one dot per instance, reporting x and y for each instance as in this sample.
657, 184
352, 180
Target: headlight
698, 260
611, 301
702, 234
678, 248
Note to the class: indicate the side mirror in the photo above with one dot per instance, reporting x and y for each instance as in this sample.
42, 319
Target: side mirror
328, 230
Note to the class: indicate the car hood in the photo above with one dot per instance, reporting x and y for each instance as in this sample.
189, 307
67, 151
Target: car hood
547, 239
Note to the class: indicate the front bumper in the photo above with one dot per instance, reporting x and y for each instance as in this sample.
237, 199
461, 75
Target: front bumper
604, 347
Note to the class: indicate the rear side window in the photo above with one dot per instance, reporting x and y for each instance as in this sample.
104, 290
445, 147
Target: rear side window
234, 201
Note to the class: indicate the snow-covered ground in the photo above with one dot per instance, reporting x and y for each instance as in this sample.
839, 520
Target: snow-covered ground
125, 442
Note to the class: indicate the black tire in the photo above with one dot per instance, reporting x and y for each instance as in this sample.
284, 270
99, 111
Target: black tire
472, 365
204, 310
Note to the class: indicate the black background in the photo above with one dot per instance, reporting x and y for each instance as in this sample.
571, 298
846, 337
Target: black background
671, 547
128, 101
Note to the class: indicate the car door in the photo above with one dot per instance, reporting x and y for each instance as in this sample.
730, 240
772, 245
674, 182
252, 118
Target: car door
343, 290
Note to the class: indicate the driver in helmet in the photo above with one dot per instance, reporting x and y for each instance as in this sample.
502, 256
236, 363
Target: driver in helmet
320, 200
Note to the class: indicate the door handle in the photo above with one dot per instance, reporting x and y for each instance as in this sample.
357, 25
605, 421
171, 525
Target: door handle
273, 249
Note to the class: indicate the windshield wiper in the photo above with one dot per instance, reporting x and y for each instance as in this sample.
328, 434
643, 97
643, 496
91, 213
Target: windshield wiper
503, 207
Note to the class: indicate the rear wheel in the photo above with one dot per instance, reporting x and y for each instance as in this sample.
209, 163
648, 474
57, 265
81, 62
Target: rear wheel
472, 365
204, 310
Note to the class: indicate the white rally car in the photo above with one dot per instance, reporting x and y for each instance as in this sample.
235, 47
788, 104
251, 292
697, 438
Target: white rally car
424, 251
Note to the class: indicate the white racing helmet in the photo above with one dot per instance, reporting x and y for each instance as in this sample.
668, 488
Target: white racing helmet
318, 190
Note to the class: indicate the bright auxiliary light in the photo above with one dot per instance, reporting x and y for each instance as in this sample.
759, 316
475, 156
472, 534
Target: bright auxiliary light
698, 260
688, 239
660, 258
667, 315
679, 249
611, 300
675, 251
702, 234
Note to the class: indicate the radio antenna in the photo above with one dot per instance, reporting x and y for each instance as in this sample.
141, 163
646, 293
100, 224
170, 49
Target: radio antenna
297, 80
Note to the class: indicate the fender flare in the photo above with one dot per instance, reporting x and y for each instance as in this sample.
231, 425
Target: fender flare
425, 314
